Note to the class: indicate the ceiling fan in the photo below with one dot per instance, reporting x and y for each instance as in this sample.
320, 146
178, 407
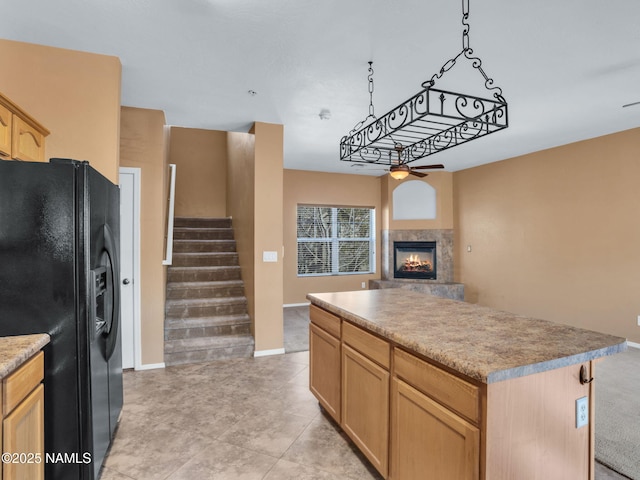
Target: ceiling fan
402, 170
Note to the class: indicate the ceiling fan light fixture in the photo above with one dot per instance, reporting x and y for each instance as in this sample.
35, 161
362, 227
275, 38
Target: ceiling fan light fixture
399, 172
429, 122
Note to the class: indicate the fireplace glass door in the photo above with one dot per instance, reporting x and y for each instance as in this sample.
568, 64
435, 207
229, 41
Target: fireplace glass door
414, 260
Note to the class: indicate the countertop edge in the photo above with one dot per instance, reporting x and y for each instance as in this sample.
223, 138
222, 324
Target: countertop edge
491, 377
15, 350
525, 370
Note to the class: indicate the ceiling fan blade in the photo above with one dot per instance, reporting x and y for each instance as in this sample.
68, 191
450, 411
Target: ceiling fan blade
428, 167
418, 174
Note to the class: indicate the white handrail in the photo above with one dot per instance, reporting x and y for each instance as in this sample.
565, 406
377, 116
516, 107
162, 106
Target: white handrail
168, 260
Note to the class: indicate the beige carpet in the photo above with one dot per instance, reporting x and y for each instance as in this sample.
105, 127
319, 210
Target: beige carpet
618, 412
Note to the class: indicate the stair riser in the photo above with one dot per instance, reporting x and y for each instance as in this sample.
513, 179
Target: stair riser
213, 260
201, 356
204, 292
203, 276
187, 246
201, 222
190, 311
197, 332
209, 234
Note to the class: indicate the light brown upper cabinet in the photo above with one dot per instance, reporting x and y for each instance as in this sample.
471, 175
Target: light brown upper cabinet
21, 136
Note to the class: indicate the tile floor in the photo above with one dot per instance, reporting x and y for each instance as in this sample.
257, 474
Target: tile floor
239, 420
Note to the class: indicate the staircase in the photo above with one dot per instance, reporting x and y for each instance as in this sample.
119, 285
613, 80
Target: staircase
206, 310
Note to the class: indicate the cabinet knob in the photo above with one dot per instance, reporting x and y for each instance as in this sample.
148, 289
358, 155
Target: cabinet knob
126, 281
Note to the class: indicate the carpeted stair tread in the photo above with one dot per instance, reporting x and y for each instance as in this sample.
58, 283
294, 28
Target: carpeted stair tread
210, 289
180, 222
192, 233
208, 301
218, 283
200, 268
203, 259
203, 274
192, 322
205, 343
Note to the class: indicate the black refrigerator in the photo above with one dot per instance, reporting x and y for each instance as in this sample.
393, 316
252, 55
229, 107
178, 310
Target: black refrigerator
60, 274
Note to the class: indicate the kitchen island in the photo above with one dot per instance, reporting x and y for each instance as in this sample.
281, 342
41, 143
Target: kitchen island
435, 388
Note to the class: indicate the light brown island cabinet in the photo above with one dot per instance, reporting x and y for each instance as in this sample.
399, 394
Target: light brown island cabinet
484, 410
23, 421
324, 361
21, 136
365, 393
434, 422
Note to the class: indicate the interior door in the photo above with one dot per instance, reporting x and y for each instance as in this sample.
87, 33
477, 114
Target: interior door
129, 255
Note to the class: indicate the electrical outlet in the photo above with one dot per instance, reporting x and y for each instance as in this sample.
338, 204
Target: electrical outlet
639, 320
364, 285
582, 412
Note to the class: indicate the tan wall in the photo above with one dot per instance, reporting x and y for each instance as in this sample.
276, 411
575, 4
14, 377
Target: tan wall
555, 234
442, 182
200, 157
143, 146
254, 201
241, 207
315, 188
75, 95
268, 200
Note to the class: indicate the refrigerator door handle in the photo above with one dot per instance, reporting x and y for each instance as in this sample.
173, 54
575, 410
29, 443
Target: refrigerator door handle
112, 328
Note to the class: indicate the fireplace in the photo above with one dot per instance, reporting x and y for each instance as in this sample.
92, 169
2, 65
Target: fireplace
415, 260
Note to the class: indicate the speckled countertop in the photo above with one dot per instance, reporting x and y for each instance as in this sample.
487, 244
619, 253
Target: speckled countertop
17, 349
485, 344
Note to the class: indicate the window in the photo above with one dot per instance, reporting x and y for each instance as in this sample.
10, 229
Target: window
335, 240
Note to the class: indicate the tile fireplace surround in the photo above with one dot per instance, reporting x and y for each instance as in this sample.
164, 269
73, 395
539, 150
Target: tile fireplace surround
443, 286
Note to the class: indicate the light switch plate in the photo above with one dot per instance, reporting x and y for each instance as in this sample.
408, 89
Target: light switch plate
269, 256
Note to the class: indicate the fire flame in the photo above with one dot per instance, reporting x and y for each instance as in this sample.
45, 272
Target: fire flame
413, 262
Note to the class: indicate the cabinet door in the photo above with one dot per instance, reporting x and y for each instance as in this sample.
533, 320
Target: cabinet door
28, 143
365, 406
324, 369
428, 441
5, 132
23, 433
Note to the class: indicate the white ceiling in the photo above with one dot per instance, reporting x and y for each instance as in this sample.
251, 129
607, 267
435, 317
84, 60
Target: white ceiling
566, 67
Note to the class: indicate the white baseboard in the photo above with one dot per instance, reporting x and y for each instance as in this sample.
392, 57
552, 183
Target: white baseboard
304, 304
266, 353
151, 366
634, 345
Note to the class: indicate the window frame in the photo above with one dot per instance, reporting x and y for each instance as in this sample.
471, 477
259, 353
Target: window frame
335, 241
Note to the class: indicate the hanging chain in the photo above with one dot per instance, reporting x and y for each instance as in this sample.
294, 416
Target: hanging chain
467, 51
465, 25
370, 77
371, 117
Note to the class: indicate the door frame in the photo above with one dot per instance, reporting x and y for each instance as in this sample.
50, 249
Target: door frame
137, 315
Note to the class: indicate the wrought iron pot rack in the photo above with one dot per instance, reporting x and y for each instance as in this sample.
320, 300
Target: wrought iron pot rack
429, 122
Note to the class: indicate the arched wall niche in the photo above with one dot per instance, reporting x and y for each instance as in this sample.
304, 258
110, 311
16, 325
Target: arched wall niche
414, 200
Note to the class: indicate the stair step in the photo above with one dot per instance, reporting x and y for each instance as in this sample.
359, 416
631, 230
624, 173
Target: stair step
196, 233
185, 246
205, 259
207, 349
205, 307
222, 288
180, 222
206, 314
203, 274
182, 328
